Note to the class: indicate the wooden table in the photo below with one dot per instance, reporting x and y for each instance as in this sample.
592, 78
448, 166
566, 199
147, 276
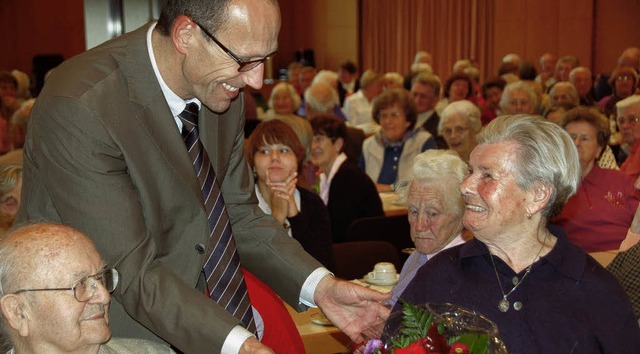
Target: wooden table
390, 204
319, 339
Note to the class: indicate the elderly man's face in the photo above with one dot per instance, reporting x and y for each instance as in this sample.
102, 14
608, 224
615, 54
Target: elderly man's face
629, 128
433, 220
57, 320
583, 82
209, 73
560, 95
423, 96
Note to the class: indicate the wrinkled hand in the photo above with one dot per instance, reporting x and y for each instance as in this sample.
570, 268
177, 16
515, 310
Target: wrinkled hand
253, 346
356, 310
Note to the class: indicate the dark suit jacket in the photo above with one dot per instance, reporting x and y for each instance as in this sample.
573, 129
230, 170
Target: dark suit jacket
431, 125
104, 155
352, 196
312, 228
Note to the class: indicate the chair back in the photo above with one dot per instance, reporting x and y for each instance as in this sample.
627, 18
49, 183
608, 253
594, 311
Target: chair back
392, 229
355, 259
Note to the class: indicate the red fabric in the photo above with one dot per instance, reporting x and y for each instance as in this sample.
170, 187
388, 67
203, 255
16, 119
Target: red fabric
280, 332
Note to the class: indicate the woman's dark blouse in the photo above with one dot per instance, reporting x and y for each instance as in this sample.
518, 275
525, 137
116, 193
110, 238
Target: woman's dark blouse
312, 228
570, 304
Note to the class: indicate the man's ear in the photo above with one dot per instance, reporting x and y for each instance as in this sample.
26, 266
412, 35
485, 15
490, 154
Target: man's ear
182, 33
16, 313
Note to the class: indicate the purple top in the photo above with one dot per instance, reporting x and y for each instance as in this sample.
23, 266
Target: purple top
598, 216
570, 304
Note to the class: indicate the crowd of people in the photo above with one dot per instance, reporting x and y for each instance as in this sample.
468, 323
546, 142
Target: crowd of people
194, 227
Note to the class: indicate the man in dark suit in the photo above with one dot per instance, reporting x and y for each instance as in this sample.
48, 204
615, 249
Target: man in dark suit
425, 89
104, 154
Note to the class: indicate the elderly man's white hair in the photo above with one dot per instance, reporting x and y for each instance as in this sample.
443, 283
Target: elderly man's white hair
518, 86
327, 76
321, 97
575, 97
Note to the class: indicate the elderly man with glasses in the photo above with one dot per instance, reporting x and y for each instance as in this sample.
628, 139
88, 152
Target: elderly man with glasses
55, 294
138, 143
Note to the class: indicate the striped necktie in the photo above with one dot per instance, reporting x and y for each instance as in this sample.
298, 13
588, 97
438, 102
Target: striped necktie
225, 281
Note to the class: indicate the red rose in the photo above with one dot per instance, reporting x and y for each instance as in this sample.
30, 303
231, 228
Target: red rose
413, 348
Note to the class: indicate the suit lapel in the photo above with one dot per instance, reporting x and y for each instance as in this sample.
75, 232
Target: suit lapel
154, 115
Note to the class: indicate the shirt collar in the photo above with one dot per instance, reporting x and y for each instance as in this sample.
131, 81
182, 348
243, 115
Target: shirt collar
176, 104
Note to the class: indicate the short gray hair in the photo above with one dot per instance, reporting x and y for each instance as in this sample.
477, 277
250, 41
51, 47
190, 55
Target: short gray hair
518, 86
627, 102
463, 108
288, 88
575, 98
444, 167
546, 154
321, 97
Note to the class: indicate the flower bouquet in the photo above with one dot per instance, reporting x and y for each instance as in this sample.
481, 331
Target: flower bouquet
435, 328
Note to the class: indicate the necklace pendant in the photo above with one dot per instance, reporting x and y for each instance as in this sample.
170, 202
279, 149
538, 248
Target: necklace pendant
503, 305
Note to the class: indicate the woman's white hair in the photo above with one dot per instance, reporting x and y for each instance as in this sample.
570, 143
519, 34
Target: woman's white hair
546, 155
288, 88
461, 108
444, 167
518, 86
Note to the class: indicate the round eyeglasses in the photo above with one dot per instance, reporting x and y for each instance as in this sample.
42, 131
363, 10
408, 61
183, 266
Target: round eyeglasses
85, 288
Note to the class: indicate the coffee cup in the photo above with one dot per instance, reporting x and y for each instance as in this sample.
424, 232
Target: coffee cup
384, 271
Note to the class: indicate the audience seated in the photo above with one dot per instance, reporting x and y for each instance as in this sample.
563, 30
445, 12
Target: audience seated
357, 107
10, 192
457, 87
582, 79
425, 90
547, 70
628, 111
544, 294
459, 124
623, 82
435, 210
305, 77
347, 80
323, 91
564, 66
8, 105
563, 93
275, 154
492, 92
346, 190
283, 102
387, 156
17, 134
598, 216
54, 290
518, 98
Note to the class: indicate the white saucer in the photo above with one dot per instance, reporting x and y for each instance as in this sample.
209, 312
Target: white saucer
369, 279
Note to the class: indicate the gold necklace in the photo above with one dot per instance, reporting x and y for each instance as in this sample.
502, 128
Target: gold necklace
504, 304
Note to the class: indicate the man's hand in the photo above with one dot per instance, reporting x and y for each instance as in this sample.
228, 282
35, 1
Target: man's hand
356, 310
253, 346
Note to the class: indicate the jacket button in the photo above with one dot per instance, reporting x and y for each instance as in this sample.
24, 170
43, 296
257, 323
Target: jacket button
199, 248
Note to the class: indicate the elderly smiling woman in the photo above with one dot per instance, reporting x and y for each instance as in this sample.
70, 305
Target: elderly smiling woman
435, 210
544, 293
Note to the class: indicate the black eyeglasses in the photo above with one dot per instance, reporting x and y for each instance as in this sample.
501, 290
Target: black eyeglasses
85, 288
244, 65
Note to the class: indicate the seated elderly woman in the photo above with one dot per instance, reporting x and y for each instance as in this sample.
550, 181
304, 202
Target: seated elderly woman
598, 216
283, 102
458, 86
275, 154
387, 156
544, 293
518, 98
623, 82
346, 190
459, 124
435, 210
